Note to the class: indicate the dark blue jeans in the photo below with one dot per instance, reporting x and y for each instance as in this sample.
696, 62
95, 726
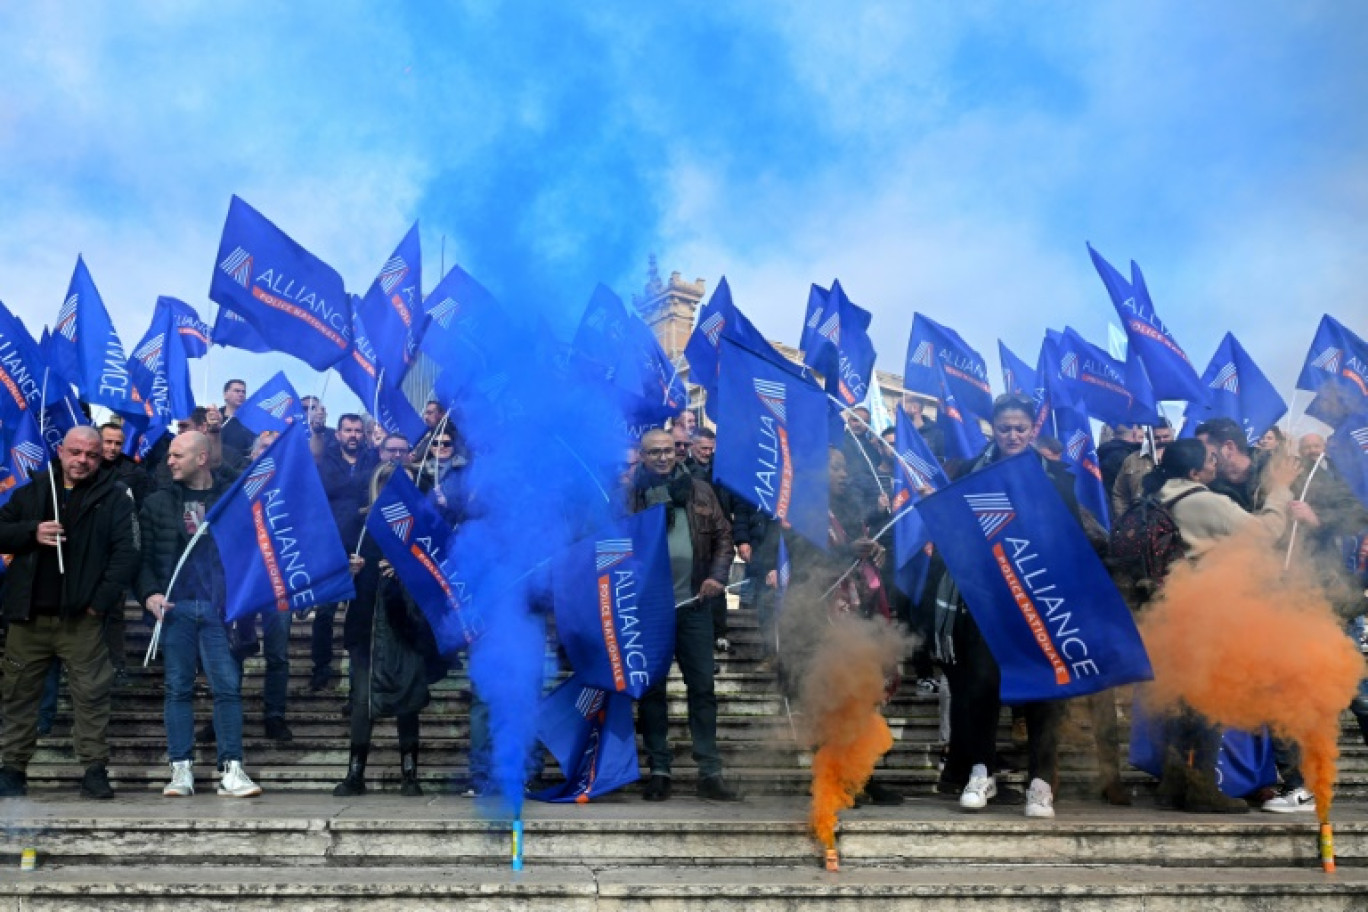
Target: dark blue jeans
275, 648
321, 643
193, 634
694, 652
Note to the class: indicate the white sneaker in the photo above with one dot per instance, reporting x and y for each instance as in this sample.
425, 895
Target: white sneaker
1039, 799
1291, 801
981, 787
182, 780
235, 782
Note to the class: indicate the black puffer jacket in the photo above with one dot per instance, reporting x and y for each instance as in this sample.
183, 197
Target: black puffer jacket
99, 546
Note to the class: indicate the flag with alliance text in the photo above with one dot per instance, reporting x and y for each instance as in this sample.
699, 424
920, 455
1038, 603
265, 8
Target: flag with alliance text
591, 734
1047, 607
86, 349
840, 348
615, 606
772, 441
416, 541
361, 371
1238, 390
936, 356
1114, 392
1336, 368
718, 319
1347, 448
273, 407
160, 366
393, 310
296, 302
276, 534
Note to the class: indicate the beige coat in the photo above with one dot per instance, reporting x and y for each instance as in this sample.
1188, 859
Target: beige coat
1204, 518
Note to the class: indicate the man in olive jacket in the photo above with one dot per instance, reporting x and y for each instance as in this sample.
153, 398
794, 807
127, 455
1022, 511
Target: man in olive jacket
60, 612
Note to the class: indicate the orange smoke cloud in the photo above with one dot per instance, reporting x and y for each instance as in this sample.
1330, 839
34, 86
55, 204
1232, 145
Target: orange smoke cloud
843, 687
1247, 644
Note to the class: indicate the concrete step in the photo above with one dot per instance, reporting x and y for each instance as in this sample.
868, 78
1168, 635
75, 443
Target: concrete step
584, 888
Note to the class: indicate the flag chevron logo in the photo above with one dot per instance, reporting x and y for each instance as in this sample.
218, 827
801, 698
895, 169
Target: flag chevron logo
1328, 360
66, 318
399, 518
921, 471
28, 457
1077, 445
149, 353
611, 552
712, 328
392, 273
1360, 436
924, 354
831, 329
1227, 378
773, 394
277, 404
814, 319
1068, 366
590, 701
993, 511
238, 266
259, 477
442, 312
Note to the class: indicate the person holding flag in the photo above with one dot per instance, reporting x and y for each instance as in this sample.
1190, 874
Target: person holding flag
74, 538
196, 634
970, 667
701, 552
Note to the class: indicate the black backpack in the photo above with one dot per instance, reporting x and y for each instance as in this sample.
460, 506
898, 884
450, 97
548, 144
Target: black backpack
1145, 541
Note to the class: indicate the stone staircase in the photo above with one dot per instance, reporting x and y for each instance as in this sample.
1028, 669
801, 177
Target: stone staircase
297, 847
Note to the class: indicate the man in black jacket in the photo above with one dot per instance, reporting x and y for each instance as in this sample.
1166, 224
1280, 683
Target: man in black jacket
58, 609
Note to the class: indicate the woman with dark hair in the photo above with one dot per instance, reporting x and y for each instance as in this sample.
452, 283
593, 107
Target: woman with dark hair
393, 657
970, 668
1203, 518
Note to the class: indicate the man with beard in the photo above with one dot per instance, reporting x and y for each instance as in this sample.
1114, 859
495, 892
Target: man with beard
345, 470
701, 552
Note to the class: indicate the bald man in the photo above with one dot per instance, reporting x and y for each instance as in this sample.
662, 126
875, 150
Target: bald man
1310, 447
194, 633
57, 608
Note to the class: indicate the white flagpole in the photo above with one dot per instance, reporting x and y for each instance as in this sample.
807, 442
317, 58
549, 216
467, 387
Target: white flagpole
52, 470
156, 630
1292, 539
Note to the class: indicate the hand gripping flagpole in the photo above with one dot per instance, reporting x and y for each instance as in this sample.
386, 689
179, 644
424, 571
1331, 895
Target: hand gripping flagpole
52, 474
1292, 539
166, 597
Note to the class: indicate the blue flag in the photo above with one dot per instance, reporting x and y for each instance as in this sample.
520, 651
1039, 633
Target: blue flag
276, 534
1047, 607
468, 330
841, 350
160, 368
590, 733
273, 407
193, 332
719, 319
772, 441
615, 607
1080, 455
1238, 390
393, 309
141, 435
616, 347
232, 331
361, 371
812, 318
21, 368
1244, 764
1017, 376
1347, 447
1171, 374
61, 410
963, 437
294, 300
1336, 368
914, 469
1114, 392
416, 541
937, 356
24, 452
86, 349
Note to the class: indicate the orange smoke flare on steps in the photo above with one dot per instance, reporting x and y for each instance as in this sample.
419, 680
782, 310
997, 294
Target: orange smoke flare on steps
1247, 645
843, 686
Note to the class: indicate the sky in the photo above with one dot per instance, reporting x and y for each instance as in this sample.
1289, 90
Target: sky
945, 158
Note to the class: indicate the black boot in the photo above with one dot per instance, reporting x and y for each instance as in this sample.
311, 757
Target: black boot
355, 783
408, 772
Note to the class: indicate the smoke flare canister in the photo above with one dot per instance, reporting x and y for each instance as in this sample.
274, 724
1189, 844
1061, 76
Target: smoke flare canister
833, 861
518, 844
28, 861
1327, 848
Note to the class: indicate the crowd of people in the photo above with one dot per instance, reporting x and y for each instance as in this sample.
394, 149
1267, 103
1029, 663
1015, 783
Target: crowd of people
103, 527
